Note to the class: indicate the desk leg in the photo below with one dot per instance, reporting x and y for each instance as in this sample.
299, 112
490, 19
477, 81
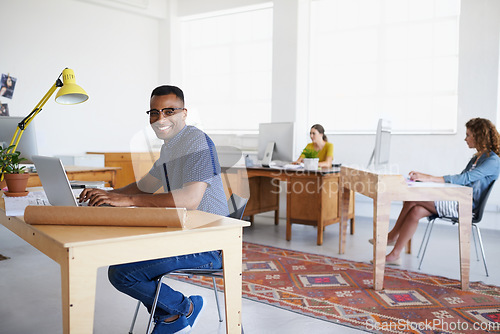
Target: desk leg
464, 230
321, 229
78, 283
288, 214
232, 264
381, 211
345, 197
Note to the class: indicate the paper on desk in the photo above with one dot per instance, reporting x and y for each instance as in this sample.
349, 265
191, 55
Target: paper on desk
292, 166
14, 206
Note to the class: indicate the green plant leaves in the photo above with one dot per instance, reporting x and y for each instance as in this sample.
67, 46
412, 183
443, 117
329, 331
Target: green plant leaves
310, 153
10, 161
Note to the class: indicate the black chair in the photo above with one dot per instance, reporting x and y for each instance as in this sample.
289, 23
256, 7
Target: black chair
477, 215
236, 205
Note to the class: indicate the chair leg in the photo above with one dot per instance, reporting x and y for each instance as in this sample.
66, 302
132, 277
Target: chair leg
217, 298
131, 330
475, 242
423, 239
482, 248
153, 307
426, 243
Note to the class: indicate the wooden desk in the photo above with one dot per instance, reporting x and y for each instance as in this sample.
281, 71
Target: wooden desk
384, 188
80, 250
312, 196
318, 205
79, 173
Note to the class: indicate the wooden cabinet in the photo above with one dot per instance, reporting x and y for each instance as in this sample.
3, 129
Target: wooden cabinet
79, 173
312, 197
133, 165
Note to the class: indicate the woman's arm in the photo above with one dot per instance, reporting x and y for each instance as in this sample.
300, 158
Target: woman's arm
326, 163
329, 156
488, 167
417, 176
301, 158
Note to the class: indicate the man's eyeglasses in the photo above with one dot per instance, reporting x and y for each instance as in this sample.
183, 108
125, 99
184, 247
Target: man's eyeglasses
155, 113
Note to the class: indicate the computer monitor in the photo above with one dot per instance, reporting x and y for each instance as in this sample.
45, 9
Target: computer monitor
381, 152
282, 134
27, 145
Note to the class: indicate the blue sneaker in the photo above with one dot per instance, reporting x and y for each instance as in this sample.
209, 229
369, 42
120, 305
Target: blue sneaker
197, 302
179, 326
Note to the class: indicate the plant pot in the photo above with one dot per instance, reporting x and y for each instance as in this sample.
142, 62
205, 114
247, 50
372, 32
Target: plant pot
311, 163
16, 184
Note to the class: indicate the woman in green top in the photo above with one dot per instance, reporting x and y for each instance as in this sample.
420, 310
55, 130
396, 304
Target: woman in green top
321, 145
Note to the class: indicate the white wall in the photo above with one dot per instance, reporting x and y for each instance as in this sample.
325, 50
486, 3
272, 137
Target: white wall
114, 54
479, 47
435, 154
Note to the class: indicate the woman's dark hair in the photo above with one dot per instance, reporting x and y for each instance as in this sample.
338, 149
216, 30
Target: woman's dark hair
166, 90
485, 135
321, 130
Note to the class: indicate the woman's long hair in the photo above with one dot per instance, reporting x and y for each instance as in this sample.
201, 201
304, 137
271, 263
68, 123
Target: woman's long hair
485, 135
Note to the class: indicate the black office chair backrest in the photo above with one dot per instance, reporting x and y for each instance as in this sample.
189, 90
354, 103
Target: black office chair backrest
236, 205
477, 214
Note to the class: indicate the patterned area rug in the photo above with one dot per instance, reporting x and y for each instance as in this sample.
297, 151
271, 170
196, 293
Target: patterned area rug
341, 291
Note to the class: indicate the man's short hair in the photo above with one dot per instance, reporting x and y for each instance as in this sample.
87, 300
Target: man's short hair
166, 90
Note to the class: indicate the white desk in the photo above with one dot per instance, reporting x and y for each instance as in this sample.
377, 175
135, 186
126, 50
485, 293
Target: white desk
80, 250
384, 188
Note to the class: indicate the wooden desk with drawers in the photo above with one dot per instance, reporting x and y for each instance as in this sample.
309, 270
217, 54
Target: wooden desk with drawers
312, 197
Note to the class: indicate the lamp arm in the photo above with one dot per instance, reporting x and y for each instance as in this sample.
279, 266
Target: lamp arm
27, 120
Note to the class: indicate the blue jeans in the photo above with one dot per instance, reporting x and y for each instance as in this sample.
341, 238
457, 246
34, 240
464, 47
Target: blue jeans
139, 280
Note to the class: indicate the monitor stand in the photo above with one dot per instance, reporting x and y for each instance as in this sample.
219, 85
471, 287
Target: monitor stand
372, 158
268, 154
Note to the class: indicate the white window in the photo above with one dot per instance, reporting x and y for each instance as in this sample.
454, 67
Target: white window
392, 59
227, 67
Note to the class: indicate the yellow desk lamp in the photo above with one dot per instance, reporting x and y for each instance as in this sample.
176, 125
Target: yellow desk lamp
70, 93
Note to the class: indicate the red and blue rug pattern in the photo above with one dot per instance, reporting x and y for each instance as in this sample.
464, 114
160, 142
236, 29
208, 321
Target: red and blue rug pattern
341, 291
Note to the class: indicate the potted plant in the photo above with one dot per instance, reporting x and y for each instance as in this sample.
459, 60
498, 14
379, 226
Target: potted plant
311, 159
14, 174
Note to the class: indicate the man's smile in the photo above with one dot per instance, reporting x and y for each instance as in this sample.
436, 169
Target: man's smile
163, 127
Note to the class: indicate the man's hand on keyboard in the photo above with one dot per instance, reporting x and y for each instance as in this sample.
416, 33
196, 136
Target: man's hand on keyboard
99, 197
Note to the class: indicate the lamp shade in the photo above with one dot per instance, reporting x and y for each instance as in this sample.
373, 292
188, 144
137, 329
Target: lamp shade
70, 92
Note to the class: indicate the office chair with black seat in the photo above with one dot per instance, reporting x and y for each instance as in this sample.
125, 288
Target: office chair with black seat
477, 215
236, 205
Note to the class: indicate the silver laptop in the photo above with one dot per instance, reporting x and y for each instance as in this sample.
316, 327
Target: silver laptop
55, 181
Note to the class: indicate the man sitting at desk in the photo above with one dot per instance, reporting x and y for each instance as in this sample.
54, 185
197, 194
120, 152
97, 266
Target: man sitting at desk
189, 171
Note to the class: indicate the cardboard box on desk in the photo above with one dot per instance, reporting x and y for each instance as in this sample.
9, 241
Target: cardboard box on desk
105, 216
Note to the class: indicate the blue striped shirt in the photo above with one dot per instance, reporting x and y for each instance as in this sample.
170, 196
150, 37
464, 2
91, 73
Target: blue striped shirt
191, 157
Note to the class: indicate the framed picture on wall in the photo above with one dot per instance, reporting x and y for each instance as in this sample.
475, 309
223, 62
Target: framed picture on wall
7, 86
4, 109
